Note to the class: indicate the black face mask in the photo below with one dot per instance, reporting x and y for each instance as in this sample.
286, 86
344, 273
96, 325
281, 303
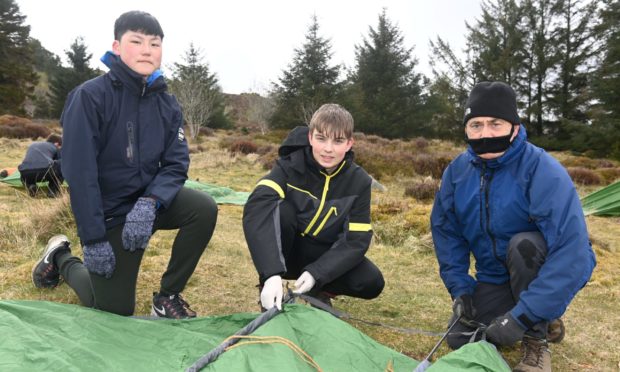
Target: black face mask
491, 145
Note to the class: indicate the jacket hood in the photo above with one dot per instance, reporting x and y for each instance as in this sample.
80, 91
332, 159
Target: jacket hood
296, 139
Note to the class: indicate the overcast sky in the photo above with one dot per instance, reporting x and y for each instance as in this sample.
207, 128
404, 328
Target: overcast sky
248, 43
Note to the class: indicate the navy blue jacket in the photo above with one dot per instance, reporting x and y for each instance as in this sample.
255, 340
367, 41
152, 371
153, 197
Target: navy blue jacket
122, 139
482, 204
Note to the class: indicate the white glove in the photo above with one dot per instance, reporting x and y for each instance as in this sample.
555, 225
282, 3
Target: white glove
272, 293
304, 283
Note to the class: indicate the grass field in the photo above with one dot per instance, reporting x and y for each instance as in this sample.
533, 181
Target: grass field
224, 282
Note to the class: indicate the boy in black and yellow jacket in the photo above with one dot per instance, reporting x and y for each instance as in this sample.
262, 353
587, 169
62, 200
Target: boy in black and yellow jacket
309, 218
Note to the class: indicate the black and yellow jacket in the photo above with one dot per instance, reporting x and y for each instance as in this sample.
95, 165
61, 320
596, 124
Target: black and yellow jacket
332, 210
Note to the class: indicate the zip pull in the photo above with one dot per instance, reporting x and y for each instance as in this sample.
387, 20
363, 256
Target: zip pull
143, 89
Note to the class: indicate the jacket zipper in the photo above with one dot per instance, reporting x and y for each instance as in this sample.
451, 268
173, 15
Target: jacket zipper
327, 215
487, 184
328, 177
131, 139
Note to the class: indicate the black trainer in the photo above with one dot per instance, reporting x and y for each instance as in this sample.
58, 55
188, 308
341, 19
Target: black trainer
173, 306
45, 272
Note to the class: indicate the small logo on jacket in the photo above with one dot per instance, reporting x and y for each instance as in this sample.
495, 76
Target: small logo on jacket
181, 135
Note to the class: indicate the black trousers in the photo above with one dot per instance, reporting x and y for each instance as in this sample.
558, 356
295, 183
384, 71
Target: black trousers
52, 175
193, 213
363, 281
526, 254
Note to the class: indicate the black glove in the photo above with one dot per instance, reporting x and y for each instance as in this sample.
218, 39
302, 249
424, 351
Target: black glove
464, 306
504, 331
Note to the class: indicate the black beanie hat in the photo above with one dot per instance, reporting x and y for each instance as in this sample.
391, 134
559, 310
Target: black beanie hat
494, 99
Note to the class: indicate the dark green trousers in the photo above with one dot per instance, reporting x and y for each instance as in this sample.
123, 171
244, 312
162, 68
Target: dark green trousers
193, 213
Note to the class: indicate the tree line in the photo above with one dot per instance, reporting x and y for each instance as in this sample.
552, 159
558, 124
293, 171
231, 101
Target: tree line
561, 56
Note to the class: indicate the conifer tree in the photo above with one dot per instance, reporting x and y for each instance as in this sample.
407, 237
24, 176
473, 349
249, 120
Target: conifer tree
198, 92
386, 88
17, 75
67, 78
309, 81
575, 49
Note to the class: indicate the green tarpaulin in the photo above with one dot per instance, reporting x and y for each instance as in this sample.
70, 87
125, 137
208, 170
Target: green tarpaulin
221, 195
604, 202
46, 336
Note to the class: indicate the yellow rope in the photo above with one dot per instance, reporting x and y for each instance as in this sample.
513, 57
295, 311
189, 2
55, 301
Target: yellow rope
275, 339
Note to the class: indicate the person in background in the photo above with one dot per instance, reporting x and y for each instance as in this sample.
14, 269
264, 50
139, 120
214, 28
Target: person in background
309, 218
515, 208
42, 163
126, 159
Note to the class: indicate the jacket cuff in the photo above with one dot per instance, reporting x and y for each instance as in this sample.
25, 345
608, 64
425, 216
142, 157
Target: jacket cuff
93, 241
524, 317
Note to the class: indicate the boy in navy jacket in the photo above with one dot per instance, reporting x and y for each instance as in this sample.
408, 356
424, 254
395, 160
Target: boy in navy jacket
125, 159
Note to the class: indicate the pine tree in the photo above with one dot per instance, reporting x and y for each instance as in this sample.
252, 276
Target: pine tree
17, 76
198, 92
607, 78
539, 58
606, 84
386, 88
575, 48
67, 78
308, 83
496, 41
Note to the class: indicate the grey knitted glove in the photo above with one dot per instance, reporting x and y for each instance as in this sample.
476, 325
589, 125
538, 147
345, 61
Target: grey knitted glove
99, 259
139, 225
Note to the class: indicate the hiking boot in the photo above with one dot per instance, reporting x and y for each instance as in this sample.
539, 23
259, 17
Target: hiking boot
536, 356
45, 272
173, 306
556, 331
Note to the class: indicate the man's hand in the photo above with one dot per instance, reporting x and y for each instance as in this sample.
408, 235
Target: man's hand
464, 306
505, 331
99, 259
139, 224
271, 295
304, 283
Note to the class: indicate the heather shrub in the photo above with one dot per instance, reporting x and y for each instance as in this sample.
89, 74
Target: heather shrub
423, 190
268, 159
609, 175
243, 147
584, 176
430, 165
16, 127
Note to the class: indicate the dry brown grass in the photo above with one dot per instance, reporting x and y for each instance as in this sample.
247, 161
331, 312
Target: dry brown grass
225, 279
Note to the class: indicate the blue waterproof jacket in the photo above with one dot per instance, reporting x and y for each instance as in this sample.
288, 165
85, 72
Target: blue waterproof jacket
122, 139
482, 204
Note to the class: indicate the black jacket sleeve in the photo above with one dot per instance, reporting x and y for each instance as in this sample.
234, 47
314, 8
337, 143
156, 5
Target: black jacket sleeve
261, 224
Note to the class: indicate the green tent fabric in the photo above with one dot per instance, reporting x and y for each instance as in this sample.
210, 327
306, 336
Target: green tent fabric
221, 195
603, 202
46, 336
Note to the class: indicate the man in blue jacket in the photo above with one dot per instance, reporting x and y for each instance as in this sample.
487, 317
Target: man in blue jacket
125, 159
516, 209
